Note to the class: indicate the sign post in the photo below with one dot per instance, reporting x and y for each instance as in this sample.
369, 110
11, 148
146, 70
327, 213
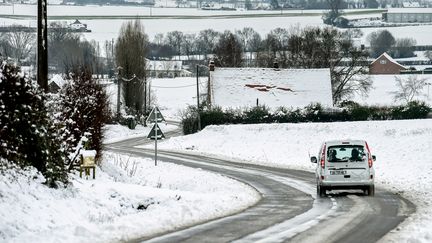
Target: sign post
155, 133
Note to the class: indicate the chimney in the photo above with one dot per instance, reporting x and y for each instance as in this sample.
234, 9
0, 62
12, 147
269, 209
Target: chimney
211, 66
275, 64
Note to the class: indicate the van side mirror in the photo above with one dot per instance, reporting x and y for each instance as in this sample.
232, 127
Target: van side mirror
313, 159
374, 157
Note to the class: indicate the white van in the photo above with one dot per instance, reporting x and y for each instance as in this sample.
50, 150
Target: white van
345, 164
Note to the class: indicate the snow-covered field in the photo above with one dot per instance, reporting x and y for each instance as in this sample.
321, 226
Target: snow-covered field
130, 198
403, 165
108, 29
171, 95
384, 86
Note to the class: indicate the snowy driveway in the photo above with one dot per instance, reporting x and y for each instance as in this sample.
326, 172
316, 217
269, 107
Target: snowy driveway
288, 210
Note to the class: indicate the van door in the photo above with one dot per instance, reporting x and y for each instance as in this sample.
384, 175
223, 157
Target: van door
347, 163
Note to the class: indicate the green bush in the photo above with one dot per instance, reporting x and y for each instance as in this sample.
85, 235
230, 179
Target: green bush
349, 111
28, 136
257, 114
215, 116
313, 112
190, 120
84, 109
413, 110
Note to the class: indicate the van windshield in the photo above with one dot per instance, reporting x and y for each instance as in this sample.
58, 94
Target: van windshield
346, 153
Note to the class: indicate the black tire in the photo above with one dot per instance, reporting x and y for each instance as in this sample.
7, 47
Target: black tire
371, 191
321, 191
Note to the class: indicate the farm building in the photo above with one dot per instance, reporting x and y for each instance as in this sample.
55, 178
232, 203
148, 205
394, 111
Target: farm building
408, 15
272, 87
166, 69
385, 64
56, 83
77, 25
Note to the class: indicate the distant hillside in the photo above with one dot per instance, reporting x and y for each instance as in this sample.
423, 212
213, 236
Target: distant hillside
108, 2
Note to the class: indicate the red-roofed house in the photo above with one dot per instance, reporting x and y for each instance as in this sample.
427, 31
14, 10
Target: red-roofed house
385, 64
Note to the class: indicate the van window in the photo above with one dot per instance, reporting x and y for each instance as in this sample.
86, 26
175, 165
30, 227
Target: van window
346, 153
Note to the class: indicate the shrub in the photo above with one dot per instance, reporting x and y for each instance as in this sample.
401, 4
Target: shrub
413, 110
84, 110
190, 120
28, 135
312, 112
257, 114
234, 116
349, 111
215, 116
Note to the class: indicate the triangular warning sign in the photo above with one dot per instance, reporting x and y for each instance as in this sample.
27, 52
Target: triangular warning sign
155, 115
156, 131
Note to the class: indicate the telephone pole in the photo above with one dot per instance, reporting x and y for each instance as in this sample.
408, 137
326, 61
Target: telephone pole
42, 42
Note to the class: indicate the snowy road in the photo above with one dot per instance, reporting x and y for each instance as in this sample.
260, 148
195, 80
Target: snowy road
288, 210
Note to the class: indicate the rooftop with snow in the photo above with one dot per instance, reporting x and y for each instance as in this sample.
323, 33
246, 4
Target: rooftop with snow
242, 87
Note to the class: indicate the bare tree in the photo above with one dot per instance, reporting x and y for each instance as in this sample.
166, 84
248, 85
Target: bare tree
404, 47
250, 40
334, 12
329, 48
188, 44
175, 39
130, 51
63, 48
158, 39
228, 51
19, 44
109, 55
207, 40
380, 42
408, 88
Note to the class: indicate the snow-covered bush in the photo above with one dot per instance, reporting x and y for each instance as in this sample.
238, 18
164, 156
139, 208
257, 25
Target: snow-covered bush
413, 110
27, 134
348, 111
84, 109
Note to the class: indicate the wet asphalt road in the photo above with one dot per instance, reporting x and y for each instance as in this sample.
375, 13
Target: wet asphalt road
288, 211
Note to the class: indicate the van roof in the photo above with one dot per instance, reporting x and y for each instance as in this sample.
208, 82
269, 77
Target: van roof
345, 142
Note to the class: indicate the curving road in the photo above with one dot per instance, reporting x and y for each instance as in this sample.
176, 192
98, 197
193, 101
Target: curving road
288, 211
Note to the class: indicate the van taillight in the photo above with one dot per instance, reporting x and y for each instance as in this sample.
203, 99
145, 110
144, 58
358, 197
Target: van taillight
323, 156
370, 161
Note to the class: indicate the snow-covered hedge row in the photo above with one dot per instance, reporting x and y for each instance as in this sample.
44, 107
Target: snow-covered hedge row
350, 111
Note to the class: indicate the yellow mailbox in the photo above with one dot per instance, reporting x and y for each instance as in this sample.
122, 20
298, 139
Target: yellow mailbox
87, 158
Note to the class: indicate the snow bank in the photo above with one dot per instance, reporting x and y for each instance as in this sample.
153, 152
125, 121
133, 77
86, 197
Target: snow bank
403, 150
130, 198
115, 133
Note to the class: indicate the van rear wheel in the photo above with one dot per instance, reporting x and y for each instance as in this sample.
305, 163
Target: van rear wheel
321, 191
371, 191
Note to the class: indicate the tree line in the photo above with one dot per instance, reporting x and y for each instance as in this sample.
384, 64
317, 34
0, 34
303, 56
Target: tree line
311, 47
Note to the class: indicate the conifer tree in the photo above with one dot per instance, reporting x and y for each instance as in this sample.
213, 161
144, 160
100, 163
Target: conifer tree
28, 137
83, 105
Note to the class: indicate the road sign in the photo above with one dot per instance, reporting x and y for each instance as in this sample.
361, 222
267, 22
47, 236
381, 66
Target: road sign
155, 116
156, 131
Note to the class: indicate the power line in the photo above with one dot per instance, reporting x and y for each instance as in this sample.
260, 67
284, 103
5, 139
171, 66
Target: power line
175, 87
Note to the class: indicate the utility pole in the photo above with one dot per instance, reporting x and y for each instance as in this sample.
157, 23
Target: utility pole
145, 97
149, 93
42, 52
198, 103
118, 93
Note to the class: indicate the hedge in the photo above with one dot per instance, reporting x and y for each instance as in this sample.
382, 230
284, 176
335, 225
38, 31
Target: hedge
349, 111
